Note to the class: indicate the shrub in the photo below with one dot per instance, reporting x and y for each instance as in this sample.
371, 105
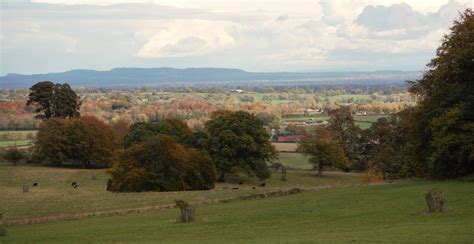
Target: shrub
13, 155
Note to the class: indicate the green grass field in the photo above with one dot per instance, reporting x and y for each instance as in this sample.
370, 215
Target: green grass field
294, 161
54, 194
393, 213
21, 143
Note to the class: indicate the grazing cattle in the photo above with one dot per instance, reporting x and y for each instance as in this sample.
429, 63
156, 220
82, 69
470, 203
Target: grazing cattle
263, 184
241, 182
235, 188
253, 187
76, 185
35, 184
73, 183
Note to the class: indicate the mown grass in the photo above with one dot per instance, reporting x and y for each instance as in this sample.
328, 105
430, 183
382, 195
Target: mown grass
54, 194
294, 161
375, 214
21, 143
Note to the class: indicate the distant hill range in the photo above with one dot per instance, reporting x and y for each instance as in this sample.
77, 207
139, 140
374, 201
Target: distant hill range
171, 77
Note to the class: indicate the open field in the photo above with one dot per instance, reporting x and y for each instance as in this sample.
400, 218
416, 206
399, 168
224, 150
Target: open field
21, 143
381, 213
285, 147
294, 161
363, 121
54, 194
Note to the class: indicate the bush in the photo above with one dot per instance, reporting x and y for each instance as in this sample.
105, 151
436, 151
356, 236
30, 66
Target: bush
13, 155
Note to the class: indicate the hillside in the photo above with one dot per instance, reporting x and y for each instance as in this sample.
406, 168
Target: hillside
171, 77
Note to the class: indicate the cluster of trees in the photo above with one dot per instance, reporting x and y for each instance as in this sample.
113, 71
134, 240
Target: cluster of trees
168, 156
162, 155
433, 139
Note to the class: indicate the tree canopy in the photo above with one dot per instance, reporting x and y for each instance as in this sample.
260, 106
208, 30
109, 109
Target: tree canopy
323, 149
139, 132
54, 100
160, 164
86, 141
238, 141
442, 121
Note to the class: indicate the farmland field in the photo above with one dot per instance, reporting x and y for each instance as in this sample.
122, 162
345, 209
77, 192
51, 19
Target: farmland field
381, 213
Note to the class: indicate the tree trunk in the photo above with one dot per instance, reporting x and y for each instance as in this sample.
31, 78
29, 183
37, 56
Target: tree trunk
187, 213
222, 176
434, 200
320, 170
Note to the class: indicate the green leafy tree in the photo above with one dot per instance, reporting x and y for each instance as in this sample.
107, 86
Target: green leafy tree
323, 150
238, 141
389, 147
446, 87
54, 100
351, 137
453, 145
140, 131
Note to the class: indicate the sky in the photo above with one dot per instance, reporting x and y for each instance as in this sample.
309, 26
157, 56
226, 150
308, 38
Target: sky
41, 36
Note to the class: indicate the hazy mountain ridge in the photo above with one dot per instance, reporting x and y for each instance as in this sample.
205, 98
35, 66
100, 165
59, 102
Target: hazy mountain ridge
139, 77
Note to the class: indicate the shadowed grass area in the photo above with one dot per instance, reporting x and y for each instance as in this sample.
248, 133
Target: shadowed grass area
382, 213
54, 194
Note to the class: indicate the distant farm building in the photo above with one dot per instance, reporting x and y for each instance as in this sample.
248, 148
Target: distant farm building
293, 138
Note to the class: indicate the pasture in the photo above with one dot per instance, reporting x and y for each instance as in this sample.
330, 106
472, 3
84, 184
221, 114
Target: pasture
54, 194
20, 143
378, 213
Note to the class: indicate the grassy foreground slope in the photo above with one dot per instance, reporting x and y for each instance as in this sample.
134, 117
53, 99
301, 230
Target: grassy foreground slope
54, 194
392, 212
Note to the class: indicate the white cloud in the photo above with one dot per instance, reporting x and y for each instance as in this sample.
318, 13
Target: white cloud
183, 38
248, 34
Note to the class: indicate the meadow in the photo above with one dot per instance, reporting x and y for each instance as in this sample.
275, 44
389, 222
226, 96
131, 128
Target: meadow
54, 194
372, 213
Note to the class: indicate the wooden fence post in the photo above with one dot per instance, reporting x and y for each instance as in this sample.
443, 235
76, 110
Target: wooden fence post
284, 176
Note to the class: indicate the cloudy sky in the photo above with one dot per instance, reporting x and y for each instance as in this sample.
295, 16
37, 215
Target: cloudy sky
40, 36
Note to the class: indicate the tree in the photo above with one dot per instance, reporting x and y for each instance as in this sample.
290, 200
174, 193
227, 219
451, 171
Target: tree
343, 126
13, 155
323, 149
389, 147
238, 141
340, 122
173, 127
85, 140
54, 100
161, 164
446, 91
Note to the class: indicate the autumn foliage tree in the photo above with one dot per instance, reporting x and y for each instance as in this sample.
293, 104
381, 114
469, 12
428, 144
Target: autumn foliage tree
84, 141
160, 164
